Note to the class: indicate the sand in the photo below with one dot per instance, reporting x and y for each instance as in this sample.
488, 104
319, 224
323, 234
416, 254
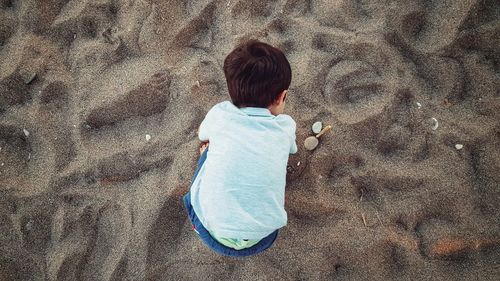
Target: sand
85, 195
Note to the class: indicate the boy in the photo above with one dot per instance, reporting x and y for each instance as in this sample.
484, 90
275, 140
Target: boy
236, 199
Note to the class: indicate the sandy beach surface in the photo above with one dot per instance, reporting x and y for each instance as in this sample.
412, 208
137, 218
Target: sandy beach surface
100, 101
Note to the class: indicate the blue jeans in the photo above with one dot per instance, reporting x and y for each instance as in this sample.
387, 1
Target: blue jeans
213, 244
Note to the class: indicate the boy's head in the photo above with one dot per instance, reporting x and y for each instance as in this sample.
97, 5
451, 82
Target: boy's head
256, 74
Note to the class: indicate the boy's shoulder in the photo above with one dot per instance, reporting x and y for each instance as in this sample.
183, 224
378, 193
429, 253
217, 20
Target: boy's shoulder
286, 119
224, 106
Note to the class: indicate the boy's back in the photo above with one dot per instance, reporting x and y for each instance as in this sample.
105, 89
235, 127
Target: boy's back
236, 201
239, 191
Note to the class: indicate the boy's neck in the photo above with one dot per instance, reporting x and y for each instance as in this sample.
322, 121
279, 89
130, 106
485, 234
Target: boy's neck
274, 110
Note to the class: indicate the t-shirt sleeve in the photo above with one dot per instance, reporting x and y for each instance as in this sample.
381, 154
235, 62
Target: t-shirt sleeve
206, 125
291, 128
293, 147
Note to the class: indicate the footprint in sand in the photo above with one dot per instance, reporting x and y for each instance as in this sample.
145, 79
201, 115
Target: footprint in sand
345, 14
359, 78
14, 91
149, 98
8, 22
56, 116
89, 237
253, 13
15, 154
430, 26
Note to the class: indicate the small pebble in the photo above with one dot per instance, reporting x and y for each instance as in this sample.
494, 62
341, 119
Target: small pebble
459, 146
316, 127
29, 225
298, 163
148, 137
2, 164
310, 143
435, 123
29, 78
419, 105
26, 133
87, 126
198, 83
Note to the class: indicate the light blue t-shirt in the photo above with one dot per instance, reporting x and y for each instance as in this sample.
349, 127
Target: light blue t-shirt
240, 189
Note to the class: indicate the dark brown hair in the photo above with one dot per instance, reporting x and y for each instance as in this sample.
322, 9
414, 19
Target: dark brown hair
256, 73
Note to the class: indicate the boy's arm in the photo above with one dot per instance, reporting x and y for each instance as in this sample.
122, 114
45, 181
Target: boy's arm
293, 148
203, 132
203, 137
204, 129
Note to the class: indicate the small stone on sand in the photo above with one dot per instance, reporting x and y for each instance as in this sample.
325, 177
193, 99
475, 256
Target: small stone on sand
148, 137
26, 133
419, 105
459, 146
316, 127
435, 123
29, 78
29, 225
310, 143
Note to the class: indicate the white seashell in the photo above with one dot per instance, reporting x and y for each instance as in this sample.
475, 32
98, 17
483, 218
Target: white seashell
198, 83
459, 146
316, 127
26, 133
419, 105
148, 137
298, 163
435, 123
